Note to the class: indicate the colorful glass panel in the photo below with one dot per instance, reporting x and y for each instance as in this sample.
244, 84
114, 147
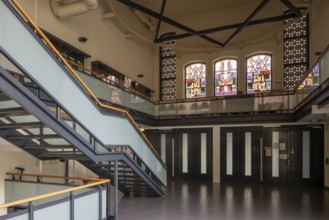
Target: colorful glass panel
195, 80
312, 79
226, 77
259, 71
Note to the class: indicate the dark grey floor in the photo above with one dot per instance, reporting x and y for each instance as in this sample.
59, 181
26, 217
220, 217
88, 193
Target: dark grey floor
191, 199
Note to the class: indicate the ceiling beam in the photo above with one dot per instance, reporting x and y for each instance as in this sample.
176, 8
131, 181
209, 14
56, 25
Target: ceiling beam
247, 21
292, 7
159, 20
168, 21
228, 27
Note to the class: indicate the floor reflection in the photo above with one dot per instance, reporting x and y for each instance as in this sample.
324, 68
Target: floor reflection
195, 199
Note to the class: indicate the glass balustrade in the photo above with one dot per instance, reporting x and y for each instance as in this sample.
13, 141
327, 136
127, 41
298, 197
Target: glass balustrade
108, 126
86, 202
269, 101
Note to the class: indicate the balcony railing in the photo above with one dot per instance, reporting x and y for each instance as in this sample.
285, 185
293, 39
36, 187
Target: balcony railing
281, 102
38, 200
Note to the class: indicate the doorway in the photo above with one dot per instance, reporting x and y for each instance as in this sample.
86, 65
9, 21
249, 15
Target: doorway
285, 155
240, 150
294, 155
186, 152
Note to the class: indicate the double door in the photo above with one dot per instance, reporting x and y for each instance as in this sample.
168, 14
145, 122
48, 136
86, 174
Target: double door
293, 155
194, 153
285, 155
240, 149
186, 152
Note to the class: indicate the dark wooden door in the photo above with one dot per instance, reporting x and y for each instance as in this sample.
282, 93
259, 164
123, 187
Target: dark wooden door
293, 155
164, 142
307, 155
194, 153
240, 154
186, 152
276, 156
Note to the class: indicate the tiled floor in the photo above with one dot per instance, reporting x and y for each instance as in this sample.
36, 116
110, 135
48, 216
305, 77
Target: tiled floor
191, 200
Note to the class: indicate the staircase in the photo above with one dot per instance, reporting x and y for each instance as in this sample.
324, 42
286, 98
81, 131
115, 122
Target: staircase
39, 114
39, 138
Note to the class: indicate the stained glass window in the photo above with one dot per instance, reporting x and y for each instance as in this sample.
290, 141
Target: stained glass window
226, 77
259, 71
312, 79
195, 80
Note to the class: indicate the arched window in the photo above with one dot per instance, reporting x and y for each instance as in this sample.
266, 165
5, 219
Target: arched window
195, 80
226, 73
259, 71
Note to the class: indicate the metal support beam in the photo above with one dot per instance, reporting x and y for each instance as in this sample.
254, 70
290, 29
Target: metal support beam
292, 7
228, 27
108, 200
247, 21
66, 171
159, 20
30, 211
100, 202
71, 206
168, 21
116, 195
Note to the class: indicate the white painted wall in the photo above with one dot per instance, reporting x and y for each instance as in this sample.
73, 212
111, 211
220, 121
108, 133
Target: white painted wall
105, 42
134, 56
12, 156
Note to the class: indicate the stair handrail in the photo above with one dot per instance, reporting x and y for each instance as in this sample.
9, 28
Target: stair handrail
99, 76
57, 193
80, 81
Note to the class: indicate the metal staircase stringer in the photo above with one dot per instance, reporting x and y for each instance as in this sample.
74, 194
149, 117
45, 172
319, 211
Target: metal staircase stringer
24, 97
137, 169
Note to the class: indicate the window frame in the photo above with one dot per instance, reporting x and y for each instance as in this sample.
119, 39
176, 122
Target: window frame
185, 84
271, 74
237, 74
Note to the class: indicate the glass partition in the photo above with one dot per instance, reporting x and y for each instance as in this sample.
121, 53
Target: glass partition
115, 95
109, 129
15, 190
86, 202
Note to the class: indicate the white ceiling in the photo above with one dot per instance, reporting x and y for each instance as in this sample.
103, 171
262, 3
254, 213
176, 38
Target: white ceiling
199, 15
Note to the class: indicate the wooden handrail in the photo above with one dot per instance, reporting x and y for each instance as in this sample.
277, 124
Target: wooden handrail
77, 77
57, 193
112, 82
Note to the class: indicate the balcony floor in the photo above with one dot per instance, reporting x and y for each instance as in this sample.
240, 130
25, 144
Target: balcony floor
193, 199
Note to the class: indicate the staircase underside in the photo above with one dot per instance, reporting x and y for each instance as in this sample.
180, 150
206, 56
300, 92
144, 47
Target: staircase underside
44, 132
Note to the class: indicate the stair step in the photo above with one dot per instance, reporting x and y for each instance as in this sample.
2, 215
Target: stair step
21, 125
18, 111
64, 155
36, 147
133, 184
23, 137
126, 170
